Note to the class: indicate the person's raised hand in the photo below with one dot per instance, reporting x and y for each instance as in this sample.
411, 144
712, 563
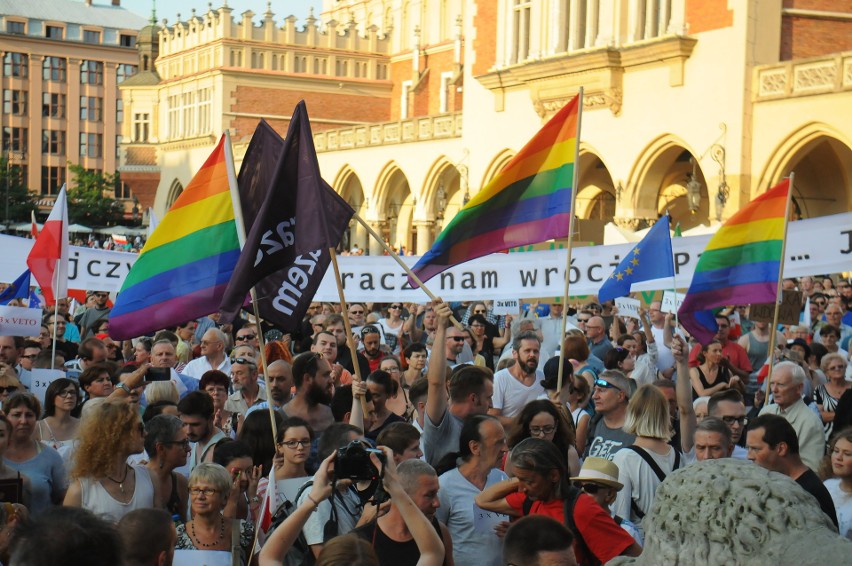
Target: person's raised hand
443, 311
678, 347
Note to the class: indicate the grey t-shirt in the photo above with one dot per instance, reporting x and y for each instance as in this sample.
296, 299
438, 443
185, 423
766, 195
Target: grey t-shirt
441, 439
607, 441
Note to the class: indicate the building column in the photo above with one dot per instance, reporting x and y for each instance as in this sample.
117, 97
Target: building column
424, 236
376, 247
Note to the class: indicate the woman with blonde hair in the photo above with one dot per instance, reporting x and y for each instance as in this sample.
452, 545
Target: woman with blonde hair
645, 464
827, 395
8, 382
104, 482
161, 391
836, 473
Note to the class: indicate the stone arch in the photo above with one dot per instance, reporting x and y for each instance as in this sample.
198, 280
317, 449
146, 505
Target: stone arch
821, 159
175, 191
348, 185
596, 193
445, 191
496, 165
658, 181
393, 208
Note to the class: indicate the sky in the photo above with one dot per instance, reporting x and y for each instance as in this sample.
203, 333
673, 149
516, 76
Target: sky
170, 8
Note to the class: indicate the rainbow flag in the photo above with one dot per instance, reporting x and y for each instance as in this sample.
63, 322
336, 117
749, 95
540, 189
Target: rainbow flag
183, 270
740, 263
529, 201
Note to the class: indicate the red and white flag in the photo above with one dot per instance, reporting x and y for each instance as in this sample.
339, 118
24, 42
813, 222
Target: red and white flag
48, 260
119, 240
34, 229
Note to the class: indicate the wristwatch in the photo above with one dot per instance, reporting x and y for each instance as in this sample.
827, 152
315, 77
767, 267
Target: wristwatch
123, 386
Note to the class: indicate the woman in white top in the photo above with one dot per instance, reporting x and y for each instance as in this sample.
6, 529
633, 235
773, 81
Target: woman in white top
392, 326
837, 473
644, 465
104, 482
58, 429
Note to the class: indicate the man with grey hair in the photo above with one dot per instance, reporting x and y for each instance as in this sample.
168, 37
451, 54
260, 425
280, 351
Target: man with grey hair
389, 535
713, 440
611, 394
247, 391
212, 355
787, 383
519, 384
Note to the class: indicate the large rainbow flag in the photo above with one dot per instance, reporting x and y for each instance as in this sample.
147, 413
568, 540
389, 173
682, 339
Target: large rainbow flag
529, 201
740, 263
185, 266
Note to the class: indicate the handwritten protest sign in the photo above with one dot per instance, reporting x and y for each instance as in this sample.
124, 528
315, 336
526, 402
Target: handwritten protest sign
19, 321
627, 307
791, 308
506, 306
671, 301
41, 380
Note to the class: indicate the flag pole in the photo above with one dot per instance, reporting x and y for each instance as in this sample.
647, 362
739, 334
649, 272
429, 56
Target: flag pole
347, 326
571, 227
674, 271
241, 236
55, 311
778, 294
402, 264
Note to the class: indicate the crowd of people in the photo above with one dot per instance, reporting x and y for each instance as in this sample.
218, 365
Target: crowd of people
449, 436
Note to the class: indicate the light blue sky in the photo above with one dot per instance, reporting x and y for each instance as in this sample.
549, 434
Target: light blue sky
170, 8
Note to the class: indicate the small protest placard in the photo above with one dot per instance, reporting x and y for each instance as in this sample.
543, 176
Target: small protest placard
19, 321
627, 307
485, 521
41, 380
202, 558
791, 308
671, 301
506, 306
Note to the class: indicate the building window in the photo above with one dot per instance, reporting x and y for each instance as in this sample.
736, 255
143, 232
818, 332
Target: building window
16, 27
14, 139
188, 114
91, 108
174, 116
53, 142
205, 110
53, 69
15, 102
52, 179
91, 36
54, 32
119, 111
122, 190
53, 105
16, 65
91, 145
123, 72
141, 124
125, 40
92, 73
118, 147
521, 30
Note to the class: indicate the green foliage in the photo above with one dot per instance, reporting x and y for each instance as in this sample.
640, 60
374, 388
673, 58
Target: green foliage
88, 202
21, 201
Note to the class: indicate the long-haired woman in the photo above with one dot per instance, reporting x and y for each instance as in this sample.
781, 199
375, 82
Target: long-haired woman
58, 429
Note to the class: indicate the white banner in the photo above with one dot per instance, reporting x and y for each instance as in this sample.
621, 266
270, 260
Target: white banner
19, 321
628, 307
816, 245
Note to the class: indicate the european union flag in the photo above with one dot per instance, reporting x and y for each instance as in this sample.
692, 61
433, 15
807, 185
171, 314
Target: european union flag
20, 289
650, 259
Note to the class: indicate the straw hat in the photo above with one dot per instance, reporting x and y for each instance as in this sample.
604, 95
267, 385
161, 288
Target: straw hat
599, 470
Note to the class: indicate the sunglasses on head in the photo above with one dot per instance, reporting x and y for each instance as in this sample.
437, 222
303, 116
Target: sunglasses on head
245, 361
395, 307
605, 384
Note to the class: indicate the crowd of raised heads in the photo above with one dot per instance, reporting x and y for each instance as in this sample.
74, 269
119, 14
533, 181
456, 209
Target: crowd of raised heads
397, 433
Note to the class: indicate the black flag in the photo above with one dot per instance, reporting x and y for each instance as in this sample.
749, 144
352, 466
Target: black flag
292, 217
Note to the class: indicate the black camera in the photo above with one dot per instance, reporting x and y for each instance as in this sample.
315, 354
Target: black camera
353, 462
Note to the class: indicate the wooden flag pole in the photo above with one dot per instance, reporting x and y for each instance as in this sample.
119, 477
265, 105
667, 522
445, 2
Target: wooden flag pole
778, 294
402, 264
350, 341
574, 182
241, 236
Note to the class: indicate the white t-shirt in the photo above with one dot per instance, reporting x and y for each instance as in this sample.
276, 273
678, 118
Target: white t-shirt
348, 508
842, 506
474, 540
639, 480
510, 395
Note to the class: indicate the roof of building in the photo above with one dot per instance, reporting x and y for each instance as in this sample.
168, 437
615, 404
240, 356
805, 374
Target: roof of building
74, 12
142, 78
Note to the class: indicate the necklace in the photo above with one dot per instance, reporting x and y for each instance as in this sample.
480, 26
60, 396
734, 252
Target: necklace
212, 544
121, 481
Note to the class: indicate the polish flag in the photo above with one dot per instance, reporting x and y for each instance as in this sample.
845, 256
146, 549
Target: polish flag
34, 229
119, 240
48, 260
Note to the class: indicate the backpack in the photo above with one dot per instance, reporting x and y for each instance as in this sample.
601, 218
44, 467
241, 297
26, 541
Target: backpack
568, 507
657, 470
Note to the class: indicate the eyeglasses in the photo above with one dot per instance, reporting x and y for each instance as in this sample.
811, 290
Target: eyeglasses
605, 384
731, 420
207, 491
479, 312
10, 389
391, 370
66, 394
820, 303
245, 361
836, 368
583, 320
456, 338
356, 312
184, 443
246, 337
395, 307
291, 444
102, 295
30, 356
542, 430
591, 488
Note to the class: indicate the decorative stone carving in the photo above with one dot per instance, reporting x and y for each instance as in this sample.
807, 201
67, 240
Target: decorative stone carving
629, 223
612, 98
735, 512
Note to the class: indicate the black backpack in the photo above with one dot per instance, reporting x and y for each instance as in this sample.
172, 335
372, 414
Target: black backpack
568, 507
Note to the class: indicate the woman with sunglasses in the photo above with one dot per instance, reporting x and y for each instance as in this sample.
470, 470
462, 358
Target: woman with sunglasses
382, 386
104, 482
827, 395
167, 447
9, 383
58, 429
398, 402
392, 326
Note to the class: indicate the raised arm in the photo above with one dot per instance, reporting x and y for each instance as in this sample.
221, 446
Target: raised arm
437, 399
356, 414
688, 421
493, 498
